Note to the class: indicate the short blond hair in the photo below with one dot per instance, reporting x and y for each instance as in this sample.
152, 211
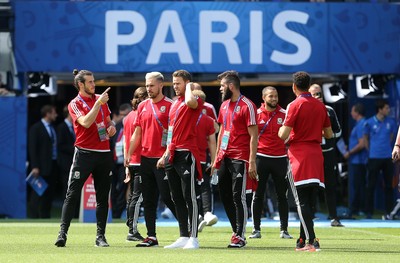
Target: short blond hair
315, 86
199, 93
155, 75
196, 86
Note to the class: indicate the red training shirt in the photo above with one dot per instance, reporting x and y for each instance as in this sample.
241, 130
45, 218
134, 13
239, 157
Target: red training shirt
152, 131
209, 109
244, 116
129, 129
307, 116
204, 128
88, 139
183, 119
269, 143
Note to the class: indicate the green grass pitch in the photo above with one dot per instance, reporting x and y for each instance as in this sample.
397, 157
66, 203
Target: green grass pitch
32, 241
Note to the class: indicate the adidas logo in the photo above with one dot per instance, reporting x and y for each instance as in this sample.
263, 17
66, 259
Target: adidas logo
239, 175
186, 172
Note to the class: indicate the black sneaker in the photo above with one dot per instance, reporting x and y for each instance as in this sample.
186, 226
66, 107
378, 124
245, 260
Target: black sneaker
148, 242
387, 217
316, 244
336, 223
101, 241
300, 244
134, 237
61, 239
237, 242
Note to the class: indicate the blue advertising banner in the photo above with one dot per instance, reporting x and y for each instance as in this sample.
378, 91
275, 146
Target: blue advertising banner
252, 37
13, 134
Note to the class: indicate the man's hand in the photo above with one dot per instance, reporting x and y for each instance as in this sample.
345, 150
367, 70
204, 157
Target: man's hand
126, 161
164, 158
396, 153
111, 130
252, 170
127, 175
190, 86
212, 169
161, 162
35, 172
104, 97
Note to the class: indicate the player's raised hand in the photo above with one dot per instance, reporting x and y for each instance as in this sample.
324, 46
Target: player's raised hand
104, 96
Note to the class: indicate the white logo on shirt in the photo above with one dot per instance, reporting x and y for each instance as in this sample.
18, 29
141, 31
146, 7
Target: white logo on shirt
186, 172
77, 175
237, 109
262, 122
279, 121
204, 111
162, 109
239, 175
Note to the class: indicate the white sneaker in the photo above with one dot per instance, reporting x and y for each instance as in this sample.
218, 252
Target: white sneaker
285, 234
167, 213
193, 243
179, 243
202, 224
255, 234
210, 218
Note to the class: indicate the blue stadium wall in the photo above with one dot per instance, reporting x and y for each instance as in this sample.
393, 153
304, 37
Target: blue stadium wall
13, 115
143, 36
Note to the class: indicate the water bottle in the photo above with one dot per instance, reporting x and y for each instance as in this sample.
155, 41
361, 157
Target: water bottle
214, 177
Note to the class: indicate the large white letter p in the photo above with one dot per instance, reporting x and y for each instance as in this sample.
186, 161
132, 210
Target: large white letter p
113, 39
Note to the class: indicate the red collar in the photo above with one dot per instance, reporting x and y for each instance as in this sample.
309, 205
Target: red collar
87, 99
